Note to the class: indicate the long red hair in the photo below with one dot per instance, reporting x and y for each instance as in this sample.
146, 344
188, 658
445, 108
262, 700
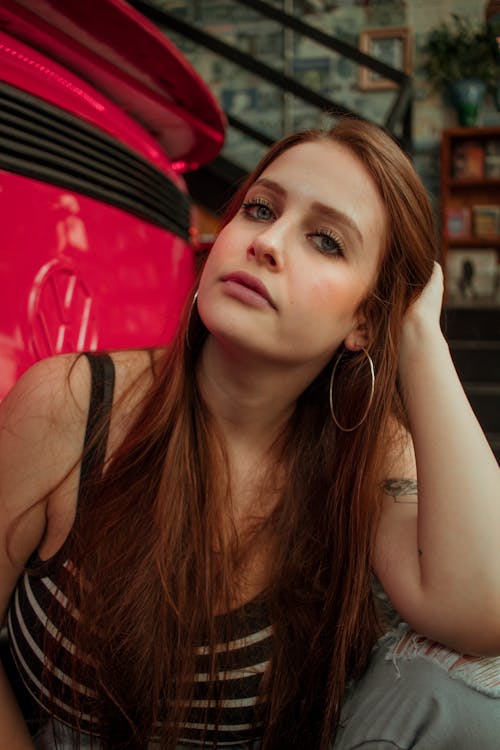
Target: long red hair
145, 541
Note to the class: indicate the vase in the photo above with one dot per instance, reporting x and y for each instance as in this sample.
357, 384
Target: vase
467, 95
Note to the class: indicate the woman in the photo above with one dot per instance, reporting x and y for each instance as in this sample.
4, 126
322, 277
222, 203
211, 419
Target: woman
210, 579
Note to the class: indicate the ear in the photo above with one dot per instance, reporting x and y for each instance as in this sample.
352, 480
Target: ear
358, 338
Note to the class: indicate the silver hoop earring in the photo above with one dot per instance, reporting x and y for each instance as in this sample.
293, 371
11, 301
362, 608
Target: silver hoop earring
186, 334
332, 377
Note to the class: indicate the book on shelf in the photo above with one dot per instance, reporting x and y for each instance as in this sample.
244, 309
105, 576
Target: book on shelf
457, 222
492, 158
467, 160
486, 220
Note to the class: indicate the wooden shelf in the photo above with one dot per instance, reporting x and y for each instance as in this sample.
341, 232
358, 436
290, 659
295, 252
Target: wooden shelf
469, 260
462, 133
473, 241
474, 182
466, 192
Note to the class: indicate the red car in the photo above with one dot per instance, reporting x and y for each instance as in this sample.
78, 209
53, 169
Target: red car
100, 115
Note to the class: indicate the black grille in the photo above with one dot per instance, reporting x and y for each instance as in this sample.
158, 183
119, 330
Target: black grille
46, 143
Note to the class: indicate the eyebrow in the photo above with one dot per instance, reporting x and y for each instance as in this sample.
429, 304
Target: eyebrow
333, 214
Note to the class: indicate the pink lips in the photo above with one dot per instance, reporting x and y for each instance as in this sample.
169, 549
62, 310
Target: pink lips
248, 282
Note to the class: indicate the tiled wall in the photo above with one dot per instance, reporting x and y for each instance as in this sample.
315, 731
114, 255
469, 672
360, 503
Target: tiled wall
264, 107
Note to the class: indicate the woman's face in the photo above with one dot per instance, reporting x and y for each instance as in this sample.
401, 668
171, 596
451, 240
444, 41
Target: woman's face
286, 276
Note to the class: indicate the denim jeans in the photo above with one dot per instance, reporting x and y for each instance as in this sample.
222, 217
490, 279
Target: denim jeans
419, 695
414, 695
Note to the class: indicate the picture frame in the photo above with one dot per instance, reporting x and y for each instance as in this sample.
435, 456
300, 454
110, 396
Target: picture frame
472, 276
389, 45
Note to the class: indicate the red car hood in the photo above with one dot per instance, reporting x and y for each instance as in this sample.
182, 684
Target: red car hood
121, 53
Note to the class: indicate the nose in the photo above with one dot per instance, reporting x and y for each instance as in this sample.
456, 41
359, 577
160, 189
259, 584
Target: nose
267, 247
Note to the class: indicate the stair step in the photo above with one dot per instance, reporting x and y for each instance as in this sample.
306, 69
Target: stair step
477, 360
492, 389
494, 441
473, 334
485, 401
471, 323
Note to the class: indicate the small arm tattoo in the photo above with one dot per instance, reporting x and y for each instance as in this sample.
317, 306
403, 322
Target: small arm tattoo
402, 488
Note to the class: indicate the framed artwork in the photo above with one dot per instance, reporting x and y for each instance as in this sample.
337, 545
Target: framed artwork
389, 45
471, 275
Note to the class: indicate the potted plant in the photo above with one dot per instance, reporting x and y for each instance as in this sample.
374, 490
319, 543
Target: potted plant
462, 58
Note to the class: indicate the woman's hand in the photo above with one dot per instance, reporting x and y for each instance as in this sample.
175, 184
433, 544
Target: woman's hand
421, 321
428, 305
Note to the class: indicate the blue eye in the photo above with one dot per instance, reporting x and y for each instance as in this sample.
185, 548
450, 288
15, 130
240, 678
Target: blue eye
327, 242
258, 209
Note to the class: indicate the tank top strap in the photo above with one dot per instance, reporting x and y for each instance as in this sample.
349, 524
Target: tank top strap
99, 415
94, 452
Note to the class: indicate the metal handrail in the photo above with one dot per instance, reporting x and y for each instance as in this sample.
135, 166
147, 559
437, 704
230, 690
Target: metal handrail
204, 39
327, 40
401, 108
399, 112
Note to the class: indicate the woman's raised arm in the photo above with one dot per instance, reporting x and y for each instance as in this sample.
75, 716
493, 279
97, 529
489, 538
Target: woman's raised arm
441, 565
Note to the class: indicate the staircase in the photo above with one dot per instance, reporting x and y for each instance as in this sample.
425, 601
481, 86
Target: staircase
211, 185
474, 338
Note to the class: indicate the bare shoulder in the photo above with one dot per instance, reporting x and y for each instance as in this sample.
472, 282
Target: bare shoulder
40, 421
40, 424
42, 428
43, 418
41, 398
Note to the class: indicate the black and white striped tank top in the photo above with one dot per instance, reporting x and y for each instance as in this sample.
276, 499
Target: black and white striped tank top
44, 587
